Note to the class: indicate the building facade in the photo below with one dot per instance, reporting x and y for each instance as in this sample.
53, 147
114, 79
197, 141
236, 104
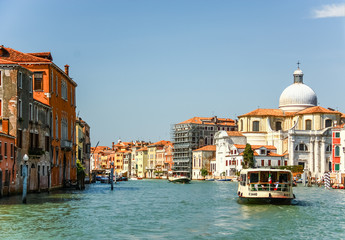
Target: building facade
299, 129
193, 134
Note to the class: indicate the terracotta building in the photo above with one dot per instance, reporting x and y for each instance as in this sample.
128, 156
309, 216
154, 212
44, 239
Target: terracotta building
53, 87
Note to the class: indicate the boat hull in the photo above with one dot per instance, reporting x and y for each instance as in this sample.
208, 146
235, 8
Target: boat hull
179, 180
277, 201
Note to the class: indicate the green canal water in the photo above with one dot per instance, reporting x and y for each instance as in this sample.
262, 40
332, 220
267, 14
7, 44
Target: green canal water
156, 209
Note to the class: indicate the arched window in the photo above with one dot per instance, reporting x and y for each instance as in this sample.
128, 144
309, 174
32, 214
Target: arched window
301, 147
337, 151
328, 123
278, 126
256, 126
241, 124
307, 124
329, 148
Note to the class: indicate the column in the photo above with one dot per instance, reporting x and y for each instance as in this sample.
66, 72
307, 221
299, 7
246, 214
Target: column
312, 157
323, 158
291, 150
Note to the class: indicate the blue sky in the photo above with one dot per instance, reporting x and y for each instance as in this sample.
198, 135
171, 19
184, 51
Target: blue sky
143, 65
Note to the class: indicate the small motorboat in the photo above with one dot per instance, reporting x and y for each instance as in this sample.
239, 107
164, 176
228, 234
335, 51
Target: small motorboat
179, 179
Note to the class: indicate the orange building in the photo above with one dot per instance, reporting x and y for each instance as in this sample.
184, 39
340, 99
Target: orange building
7, 156
54, 87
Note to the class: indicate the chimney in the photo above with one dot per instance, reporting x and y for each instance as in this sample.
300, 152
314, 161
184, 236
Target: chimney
5, 128
67, 69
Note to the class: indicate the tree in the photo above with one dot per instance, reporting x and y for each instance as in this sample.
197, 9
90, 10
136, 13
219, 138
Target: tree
248, 157
204, 172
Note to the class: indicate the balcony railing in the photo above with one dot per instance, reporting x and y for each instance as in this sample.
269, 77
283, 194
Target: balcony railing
35, 151
66, 145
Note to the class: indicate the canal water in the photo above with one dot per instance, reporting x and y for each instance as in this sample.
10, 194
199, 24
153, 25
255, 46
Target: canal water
156, 209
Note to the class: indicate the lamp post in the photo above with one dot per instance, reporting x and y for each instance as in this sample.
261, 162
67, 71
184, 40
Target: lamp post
25, 175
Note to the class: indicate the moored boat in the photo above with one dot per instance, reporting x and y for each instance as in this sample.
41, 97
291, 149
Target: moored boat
265, 186
179, 179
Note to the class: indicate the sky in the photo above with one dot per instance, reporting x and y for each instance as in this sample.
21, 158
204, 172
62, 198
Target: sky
143, 65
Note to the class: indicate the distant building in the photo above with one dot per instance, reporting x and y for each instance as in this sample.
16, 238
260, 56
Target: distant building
202, 158
193, 134
142, 159
156, 159
299, 129
83, 146
224, 140
338, 153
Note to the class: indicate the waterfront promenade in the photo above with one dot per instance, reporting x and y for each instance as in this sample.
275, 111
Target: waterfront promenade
156, 209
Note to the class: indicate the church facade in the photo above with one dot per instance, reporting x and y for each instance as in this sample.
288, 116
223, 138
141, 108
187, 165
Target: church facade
299, 129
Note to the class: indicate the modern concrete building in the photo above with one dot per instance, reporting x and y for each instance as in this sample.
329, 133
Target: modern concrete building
193, 134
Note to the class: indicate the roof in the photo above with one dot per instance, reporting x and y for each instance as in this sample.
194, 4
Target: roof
318, 109
210, 120
267, 112
16, 56
254, 147
159, 143
281, 113
209, 148
142, 149
46, 55
3, 61
234, 133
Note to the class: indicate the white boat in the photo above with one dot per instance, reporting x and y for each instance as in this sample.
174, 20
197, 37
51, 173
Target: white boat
179, 179
265, 186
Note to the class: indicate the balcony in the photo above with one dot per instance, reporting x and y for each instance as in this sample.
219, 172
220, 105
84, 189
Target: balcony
66, 145
35, 152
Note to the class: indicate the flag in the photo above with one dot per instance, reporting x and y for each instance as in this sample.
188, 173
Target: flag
269, 178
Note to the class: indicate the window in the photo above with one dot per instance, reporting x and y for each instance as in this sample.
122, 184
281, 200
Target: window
337, 134
336, 150
241, 125
31, 140
262, 163
301, 147
20, 138
56, 85
38, 86
30, 84
0, 78
278, 162
328, 123
63, 89
57, 156
0, 107
262, 152
307, 124
47, 143
52, 81
0, 148
256, 126
278, 126
20, 109
329, 148
12, 152
20, 80
56, 127
37, 143
269, 162
35, 114
5, 150
31, 112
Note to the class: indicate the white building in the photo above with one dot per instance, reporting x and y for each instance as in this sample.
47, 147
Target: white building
224, 140
299, 129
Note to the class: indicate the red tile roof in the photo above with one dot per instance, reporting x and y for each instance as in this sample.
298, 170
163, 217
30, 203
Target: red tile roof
210, 121
16, 56
318, 109
210, 148
235, 133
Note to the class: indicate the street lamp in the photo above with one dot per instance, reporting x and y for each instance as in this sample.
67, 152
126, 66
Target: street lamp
112, 175
25, 175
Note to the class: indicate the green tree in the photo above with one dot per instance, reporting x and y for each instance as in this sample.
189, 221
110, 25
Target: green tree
204, 172
248, 157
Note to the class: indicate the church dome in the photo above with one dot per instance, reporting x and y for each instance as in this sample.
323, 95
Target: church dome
297, 96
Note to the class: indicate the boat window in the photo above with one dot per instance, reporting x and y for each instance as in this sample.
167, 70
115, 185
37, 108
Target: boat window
254, 177
283, 177
263, 176
243, 179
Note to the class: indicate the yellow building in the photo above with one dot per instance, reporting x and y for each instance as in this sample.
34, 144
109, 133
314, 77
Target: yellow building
142, 159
